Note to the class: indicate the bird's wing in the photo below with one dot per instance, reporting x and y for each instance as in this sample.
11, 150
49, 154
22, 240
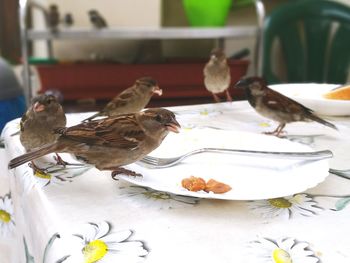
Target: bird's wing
277, 101
28, 115
121, 132
120, 101
23, 120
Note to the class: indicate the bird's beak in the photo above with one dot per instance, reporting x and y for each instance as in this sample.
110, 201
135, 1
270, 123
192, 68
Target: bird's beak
157, 90
173, 126
38, 107
213, 57
243, 83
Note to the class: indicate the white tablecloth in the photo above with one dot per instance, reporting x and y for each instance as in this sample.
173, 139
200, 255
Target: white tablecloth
69, 213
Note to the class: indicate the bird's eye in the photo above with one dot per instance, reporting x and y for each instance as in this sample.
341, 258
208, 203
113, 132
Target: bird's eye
158, 118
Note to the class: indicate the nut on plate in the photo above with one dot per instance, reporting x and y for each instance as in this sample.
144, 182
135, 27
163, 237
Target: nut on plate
217, 187
193, 184
196, 184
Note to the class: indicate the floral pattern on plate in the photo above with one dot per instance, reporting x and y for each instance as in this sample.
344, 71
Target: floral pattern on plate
144, 196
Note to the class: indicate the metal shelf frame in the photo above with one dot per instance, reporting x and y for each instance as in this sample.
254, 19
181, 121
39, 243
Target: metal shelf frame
145, 33
218, 33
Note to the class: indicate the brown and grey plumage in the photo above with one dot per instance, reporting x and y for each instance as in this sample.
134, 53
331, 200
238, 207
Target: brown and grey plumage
131, 100
37, 125
43, 116
68, 20
275, 106
53, 18
110, 142
217, 76
96, 19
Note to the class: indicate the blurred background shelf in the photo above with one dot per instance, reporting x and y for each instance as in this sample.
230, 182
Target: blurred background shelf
75, 80
146, 33
181, 80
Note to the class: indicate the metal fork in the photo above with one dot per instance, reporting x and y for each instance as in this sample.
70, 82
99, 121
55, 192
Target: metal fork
154, 162
341, 173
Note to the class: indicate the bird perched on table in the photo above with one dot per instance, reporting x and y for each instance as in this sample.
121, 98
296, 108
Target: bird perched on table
37, 125
131, 100
96, 19
217, 76
53, 18
274, 105
110, 142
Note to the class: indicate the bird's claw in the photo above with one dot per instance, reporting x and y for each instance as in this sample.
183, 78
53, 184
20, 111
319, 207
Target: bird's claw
60, 161
228, 96
37, 169
281, 134
278, 132
127, 172
216, 98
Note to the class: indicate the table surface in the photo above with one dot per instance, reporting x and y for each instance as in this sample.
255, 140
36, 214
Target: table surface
69, 213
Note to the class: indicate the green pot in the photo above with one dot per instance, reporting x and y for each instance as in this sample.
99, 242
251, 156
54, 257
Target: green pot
212, 13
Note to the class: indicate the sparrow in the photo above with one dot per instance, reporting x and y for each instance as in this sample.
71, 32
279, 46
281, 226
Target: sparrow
111, 142
131, 100
96, 19
53, 18
275, 106
38, 123
217, 76
68, 20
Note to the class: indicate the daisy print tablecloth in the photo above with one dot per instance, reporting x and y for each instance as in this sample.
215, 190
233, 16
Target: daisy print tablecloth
78, 214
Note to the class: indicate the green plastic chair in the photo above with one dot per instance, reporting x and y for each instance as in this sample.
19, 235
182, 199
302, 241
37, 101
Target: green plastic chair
314, 37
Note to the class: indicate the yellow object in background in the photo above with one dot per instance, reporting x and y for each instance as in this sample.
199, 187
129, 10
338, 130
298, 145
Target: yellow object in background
342, 93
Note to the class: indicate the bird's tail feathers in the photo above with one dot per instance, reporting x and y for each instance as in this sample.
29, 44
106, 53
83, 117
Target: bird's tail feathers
36, 153
92, 117
322, 121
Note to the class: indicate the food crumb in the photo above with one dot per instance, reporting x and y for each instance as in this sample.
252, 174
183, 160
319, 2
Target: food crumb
195, 184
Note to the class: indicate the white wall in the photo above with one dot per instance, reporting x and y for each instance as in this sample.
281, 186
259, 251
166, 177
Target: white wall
150, 13
122, 13
117, 12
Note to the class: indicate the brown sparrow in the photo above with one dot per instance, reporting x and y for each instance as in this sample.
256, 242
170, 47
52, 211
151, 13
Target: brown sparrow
53, 18
110, 142
217, 77
68, 20
273, 105
37, 125
96, 19
131, 100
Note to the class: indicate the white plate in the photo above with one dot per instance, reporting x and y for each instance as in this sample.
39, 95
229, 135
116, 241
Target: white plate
311, 96
251, 178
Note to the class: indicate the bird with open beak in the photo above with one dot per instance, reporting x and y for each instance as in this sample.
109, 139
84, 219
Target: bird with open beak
37, 125
111, 142
131, 100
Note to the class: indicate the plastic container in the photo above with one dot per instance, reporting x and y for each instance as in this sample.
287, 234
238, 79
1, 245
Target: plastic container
179, 78
207, 13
